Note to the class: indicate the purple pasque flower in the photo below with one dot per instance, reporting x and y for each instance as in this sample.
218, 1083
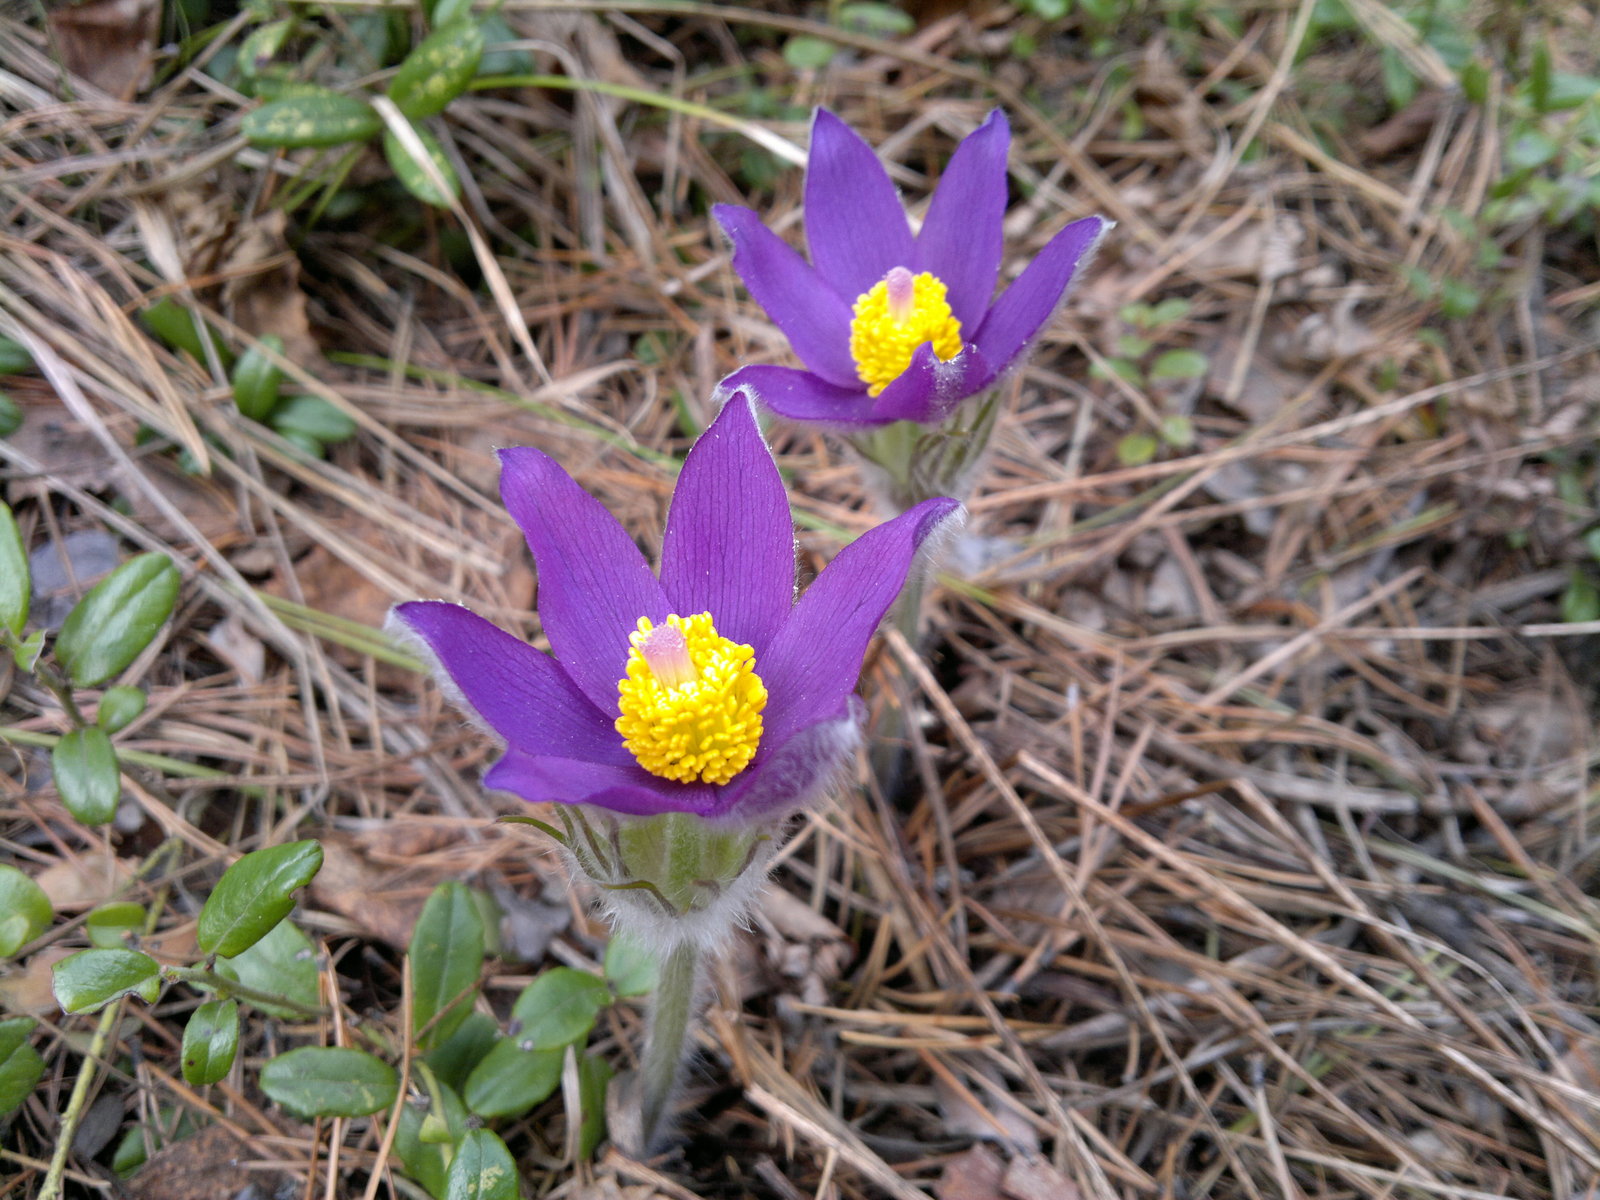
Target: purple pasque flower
709, 689
891, 326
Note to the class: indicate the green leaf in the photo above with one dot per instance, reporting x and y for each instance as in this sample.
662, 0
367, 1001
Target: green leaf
1177, 431
117, 619
14, 357
256, 379
210, 1041
446, 960
91, 979
510, 1080
255, 894
87, 774
447, 12
481, 1170
311, 118
109, 925
26, 652
1539, 78
414, 176
183, 330
631, 967
262, 46
1174, 308
329, 1081
454, 1060
1581, 600
15, 580
26, 910
1137, 449
20, 1065
1458, 299
283, 963
1179, 364
557, 1008
428, 1131
314, 417
438, 70
879, 20
10, 415
594, 1075
119, 708
806, 53
1475, 81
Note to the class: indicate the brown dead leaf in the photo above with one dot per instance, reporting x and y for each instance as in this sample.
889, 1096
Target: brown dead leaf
83, 882
966, 1115
108, 42
974, 1175
203, 1167
1035, 1179
262, 294
368, 895
26, 991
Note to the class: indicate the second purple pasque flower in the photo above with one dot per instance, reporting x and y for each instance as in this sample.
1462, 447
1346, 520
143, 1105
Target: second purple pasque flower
891, 326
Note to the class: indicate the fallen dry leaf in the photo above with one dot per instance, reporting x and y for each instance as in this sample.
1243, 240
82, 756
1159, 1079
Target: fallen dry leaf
83, 882
108, 42
973, 1175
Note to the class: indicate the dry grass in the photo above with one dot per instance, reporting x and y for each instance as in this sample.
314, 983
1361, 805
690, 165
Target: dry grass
1249, 850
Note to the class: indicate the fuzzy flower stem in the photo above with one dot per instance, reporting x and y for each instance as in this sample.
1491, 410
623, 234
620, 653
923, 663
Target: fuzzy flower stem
671, 1010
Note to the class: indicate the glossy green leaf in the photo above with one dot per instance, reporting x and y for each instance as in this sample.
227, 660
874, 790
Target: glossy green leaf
14, 357
314, 417
182, 330
256, 379
454, 1059
594, 1076
262, 46
631, 967
119, 707
438, 70
210, 1042
87, 775
510, 1080
329, 1081
429, 1129
109, 925
117, 619
1179, 364
311, 118
482, 1169
806, 53
26, 652
255, 894
20, 1064
91, 979
283, 963
557, 1008
10, 415
414, 176
446, 960
15, 580
25, 910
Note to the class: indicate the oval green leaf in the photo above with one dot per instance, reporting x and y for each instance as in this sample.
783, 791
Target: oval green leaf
414, 176
631, 966
510, 1080
311, 118
329, 1081
15, 581
87, 775
313, 417
107, 629
119, 708
481, 1170
256, 379
109, 925
20, 1064
14, 357
25, 910
10, 415
446, 960
283, 963
438, 70
210, 1041
429, 1129
91, 979
453, 1060
1179, 364
557, 1008
183, 330
255, 894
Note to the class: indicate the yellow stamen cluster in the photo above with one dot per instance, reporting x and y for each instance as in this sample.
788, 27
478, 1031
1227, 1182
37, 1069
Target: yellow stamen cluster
698, 725
888, 328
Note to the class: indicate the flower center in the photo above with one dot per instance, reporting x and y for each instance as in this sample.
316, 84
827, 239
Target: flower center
691, 701
899, 313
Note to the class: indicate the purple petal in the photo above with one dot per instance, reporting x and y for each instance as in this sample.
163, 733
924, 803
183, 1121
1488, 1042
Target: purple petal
812, 315
962, 238
929, 389
541, 778
801, 396
812, 668
520, 692
729, 545
855, 225
926, 392
795, 773
594, 585
1028, 303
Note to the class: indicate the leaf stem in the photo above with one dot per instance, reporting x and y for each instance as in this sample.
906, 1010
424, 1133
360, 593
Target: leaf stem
223, 986
671, 1010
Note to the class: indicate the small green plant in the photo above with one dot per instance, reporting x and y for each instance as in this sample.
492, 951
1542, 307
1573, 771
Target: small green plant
1141, 361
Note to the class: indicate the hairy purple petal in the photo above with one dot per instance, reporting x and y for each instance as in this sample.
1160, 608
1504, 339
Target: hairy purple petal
926, 391
793, 774
812, 667
1019, 314
855, 226
594, 585
729, 545
625, 789
814, 317
962, 238
520, 692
